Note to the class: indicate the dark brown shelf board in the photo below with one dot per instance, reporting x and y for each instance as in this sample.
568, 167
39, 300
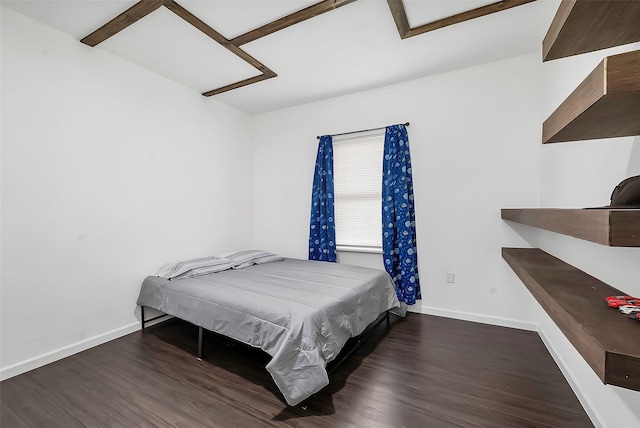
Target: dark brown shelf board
581, 26
611, 227
605, 105
608, 340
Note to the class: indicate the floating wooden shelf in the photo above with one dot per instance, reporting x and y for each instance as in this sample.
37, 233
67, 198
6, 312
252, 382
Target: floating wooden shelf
605, 105
608, 340
583, 26
612, 227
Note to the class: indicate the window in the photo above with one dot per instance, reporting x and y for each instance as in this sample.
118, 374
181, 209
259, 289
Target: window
357, 174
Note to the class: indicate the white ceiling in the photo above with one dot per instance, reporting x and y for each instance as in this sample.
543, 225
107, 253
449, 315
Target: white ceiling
349, 49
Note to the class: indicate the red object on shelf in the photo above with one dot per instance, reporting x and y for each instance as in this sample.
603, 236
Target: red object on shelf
620, 302
621, 298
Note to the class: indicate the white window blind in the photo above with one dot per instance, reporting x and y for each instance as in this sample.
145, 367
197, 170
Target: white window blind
357, 174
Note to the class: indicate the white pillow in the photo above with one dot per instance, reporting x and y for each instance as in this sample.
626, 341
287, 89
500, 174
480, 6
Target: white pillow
242, 259
194, 267
268, 258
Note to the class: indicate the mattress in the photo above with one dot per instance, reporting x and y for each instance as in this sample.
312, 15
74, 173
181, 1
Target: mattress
300, 312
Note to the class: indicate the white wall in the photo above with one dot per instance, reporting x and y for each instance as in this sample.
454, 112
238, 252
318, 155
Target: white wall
475, 141
107, 171
583, 174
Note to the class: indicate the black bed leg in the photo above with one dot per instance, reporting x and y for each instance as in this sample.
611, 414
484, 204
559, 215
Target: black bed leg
200, 343
142, 316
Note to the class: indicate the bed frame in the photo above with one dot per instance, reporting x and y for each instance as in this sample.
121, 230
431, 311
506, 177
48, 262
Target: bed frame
342, 357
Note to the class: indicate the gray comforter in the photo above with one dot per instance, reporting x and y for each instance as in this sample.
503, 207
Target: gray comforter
300, 312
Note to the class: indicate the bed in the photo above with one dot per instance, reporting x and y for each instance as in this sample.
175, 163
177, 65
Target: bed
300, 312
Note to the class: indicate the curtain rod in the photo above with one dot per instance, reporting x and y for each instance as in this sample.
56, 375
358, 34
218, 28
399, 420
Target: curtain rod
363, 130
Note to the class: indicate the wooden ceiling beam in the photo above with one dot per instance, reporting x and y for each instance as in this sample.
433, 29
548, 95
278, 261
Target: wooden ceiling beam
196, 22
145, 7
268, 74
265, 72
202, 26
289, 20
122, 21
402, 23
400, 17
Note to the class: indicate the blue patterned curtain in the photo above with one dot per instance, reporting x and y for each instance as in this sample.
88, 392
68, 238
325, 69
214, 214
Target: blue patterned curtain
398, 216
322, 231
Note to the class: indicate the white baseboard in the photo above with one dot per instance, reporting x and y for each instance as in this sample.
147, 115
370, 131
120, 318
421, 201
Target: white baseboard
572, 379
50, 357
480, 318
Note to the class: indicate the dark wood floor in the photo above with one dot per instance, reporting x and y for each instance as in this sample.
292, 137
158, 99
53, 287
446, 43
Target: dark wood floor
423, 371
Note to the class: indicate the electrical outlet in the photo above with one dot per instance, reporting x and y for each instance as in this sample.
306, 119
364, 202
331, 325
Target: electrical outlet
451, 278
